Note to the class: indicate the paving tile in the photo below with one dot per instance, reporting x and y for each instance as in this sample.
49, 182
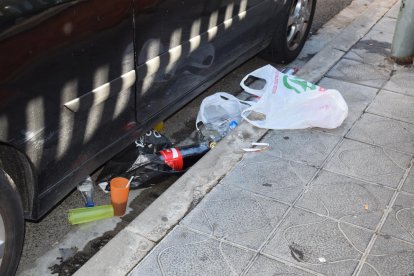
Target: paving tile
400, 221
318, 243
357, 72
402, 81
264, 266
357, 97
346, 199
393, 12
270, 176
371, 163
389, 257
409, 183
386, 25
384, 132
369, 54
378, 38
307, 146
235, 215
393, 105
183, 252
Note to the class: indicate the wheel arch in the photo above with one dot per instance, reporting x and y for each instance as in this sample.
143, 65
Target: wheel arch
19, 167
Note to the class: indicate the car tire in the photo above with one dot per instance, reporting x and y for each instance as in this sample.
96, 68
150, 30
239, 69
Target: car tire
291, 32
11, 226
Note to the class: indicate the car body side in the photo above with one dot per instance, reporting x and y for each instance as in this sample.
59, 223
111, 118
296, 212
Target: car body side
80, 80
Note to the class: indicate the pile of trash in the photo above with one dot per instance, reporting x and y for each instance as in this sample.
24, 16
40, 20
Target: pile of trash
284, 102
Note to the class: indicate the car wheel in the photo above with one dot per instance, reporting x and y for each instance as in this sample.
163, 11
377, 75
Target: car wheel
11, 226
291, 32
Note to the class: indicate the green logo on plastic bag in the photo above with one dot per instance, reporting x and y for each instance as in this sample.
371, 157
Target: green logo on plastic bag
298, 85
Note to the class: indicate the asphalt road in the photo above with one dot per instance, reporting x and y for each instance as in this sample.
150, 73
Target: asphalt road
52, 230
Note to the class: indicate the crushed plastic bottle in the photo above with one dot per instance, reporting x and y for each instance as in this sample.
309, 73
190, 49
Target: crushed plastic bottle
86, 188
209, 133
230, 125
214, 133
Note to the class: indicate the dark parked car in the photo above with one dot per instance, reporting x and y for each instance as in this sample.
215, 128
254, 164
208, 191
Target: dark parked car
81, 79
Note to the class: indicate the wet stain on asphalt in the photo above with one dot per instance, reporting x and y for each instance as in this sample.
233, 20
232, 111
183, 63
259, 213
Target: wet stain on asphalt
71, 265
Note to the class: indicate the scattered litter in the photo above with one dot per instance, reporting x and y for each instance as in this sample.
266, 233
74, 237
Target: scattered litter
159, 126
219, 114
288, 102
366, 206
322, 260
151, 159
260, 147
86, 188
290, 70
135, 156
83, 215
119, 194
104, 187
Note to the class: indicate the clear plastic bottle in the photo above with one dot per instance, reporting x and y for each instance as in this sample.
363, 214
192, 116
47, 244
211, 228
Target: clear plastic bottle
209, 133
86, 188
232, 124
215, 133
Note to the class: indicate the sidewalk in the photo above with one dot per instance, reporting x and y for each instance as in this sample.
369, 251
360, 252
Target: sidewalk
319, 202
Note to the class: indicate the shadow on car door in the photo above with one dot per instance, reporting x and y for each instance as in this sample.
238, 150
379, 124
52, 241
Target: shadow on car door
183, 46
66, 86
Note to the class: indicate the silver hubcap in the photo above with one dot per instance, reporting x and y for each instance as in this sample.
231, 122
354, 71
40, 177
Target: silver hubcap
2, 238
298, 22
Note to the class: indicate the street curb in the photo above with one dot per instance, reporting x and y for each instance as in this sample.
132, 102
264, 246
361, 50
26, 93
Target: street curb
132, 244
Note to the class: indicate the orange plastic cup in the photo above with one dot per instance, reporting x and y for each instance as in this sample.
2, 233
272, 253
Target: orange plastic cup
119, 195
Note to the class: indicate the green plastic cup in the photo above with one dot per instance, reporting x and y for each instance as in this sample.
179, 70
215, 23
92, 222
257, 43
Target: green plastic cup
83, 215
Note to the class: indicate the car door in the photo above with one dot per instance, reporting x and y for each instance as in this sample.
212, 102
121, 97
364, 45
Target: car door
66, 85
185, 45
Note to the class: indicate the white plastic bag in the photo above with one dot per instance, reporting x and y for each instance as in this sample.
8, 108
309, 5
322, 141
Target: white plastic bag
288, 102
220, 108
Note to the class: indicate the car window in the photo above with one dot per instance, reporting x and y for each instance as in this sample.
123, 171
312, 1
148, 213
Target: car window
13, 11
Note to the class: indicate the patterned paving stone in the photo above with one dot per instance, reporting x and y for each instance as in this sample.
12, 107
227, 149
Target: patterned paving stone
357, 97
357, 72
346, 199
236, 215
318, 243
389, 257
184, 252
307, 146
402, 81
271, 177
400, 222
264, 266
371, 163
384, 132
409, 183
393, 105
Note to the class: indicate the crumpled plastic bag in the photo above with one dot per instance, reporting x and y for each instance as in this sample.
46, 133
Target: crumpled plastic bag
289, 102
